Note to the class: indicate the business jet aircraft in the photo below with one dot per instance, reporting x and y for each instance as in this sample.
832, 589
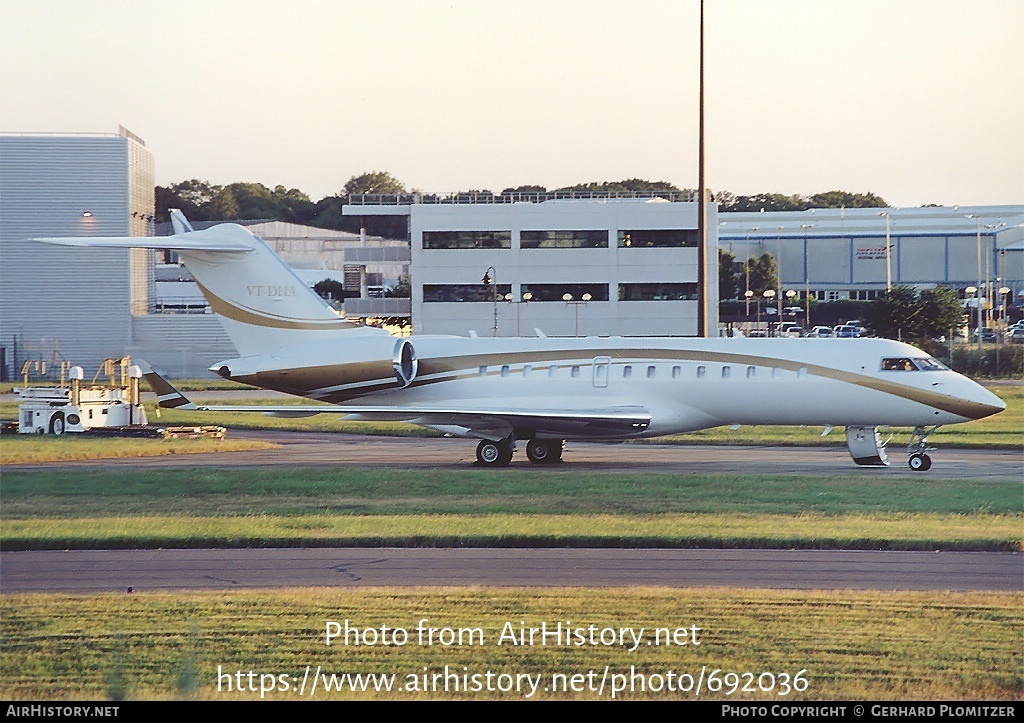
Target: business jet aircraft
547, 390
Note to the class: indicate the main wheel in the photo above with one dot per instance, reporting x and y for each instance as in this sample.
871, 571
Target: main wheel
544, 451
920, 462
57, 423
494, 454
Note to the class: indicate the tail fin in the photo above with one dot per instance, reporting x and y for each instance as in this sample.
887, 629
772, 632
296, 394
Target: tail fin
261, 302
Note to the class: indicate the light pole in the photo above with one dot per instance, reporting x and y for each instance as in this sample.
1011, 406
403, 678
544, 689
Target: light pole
746, 266
491, 279
778, 270
977, 289
746, 295
790, 295
807, 273
584, 300
526, 300
769, 294
888, 264
971, 292
1003, 291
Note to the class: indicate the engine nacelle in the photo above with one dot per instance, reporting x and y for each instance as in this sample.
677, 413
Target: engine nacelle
404, 362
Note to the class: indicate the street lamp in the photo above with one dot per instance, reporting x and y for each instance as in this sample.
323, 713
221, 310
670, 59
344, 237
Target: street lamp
491, 279
585, 299
807, 273
977, 220
746, 295
888, 264
971, 291
1003, 291
769, 294
526, 300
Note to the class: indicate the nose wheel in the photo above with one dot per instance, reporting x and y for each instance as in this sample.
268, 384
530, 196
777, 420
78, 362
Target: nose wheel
920, 462
918, 448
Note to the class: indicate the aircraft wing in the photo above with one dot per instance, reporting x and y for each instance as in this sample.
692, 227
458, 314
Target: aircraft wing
491, 422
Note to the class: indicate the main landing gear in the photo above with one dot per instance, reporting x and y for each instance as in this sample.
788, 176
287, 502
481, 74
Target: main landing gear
499, 454
918, 448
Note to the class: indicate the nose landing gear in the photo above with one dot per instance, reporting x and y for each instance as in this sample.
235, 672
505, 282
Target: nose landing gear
918, 448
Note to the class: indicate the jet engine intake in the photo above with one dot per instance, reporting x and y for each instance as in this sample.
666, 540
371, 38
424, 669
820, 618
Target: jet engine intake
404, 362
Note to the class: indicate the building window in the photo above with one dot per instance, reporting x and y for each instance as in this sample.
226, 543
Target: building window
657, 292
433, 293
467, 239
556, 292
563, 239
668, 238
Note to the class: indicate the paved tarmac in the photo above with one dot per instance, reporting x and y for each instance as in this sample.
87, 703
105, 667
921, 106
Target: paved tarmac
326, 449
90, 571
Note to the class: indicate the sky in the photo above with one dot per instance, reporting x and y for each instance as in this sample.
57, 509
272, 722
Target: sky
918, 101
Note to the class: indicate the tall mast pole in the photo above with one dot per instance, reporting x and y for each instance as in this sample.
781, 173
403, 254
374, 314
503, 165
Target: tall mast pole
704, 312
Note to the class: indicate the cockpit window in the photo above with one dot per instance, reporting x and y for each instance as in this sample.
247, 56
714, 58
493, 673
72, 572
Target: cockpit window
900, 364
931, 365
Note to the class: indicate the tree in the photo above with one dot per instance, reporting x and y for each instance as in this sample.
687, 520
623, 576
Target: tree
373, 182
845, 199
763, 274
781, 202
904, 314
730, 276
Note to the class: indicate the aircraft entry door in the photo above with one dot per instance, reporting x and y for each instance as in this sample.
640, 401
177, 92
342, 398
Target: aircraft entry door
602, 367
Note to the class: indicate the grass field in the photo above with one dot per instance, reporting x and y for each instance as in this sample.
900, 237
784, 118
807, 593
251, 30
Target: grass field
816, 646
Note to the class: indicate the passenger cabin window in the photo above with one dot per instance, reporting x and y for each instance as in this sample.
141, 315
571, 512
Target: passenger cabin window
726, 371
527, 369
751, 371
504, 370
483, 370
575, 371
627, 371
701, 371
650, 372
677, 372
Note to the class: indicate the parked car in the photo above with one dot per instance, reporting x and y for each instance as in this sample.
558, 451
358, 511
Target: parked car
821, 332
792, 311
847, 331
986, 334
1015, 335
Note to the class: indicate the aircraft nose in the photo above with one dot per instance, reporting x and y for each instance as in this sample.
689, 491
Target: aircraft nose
982, 403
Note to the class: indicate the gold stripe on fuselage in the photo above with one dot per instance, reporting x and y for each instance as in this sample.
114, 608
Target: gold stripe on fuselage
339, 383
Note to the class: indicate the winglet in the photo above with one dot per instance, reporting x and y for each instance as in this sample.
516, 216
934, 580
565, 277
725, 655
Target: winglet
168, 397
179, 222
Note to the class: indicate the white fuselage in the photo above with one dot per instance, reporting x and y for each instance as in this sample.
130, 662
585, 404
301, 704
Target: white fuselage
684, 383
